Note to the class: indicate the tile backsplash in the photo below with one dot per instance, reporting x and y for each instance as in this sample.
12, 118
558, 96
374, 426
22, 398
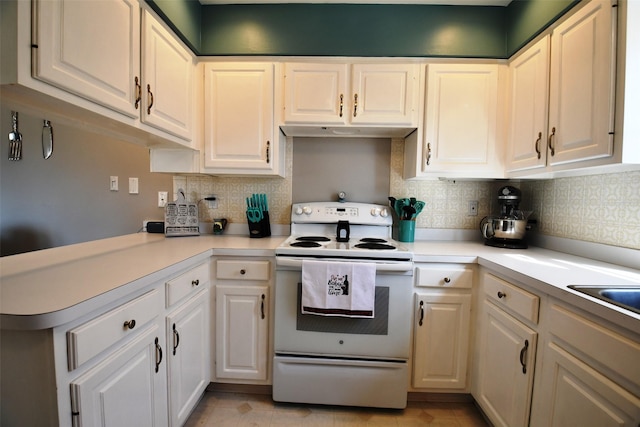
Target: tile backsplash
596, 208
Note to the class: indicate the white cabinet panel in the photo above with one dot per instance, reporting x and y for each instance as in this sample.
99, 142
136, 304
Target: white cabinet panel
582, 85
127, 389
167, 98
529, 96
91, 49
242, 332
441, 340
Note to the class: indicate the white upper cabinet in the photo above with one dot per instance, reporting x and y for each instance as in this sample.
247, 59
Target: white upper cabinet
460, 137
528, 111
562, 96
91, 49
372, 95
239, 120
167, 96
104, 53
582, 84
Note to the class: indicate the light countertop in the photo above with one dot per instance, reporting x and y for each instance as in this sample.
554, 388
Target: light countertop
46, 288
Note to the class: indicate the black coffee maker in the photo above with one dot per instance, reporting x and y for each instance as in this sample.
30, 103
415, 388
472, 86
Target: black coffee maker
508, 228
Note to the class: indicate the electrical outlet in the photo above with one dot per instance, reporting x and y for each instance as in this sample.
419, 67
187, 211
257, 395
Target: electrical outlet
472, 209
162, 198
133, 185
212, 201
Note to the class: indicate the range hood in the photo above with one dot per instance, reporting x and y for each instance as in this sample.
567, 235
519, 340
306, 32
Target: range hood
347, 131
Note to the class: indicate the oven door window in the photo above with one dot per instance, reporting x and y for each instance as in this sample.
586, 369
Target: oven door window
348, 325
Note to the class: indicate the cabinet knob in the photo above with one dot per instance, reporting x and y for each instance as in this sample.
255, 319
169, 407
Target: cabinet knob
501, 295
243, 271
195, 282
130, 324
447, 280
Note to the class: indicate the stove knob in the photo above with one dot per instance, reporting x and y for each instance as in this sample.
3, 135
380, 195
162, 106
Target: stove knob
298, 210
384, 212
307, 210
375, 211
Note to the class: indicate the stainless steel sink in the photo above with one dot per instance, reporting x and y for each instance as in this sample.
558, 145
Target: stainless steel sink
625, 296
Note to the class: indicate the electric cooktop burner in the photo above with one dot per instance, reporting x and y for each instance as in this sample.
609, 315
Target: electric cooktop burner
372, 240
374, 245
306, 244
313, 239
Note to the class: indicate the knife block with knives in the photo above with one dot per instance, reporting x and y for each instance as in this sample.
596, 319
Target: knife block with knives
258, 216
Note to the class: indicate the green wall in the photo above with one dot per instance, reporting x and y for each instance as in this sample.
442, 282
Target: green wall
359, 29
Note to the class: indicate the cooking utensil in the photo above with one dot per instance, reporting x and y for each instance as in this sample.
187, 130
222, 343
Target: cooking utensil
418, 206
408, 212
15, 139
47, 139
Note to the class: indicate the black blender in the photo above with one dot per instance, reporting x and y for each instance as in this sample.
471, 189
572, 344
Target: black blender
506, 230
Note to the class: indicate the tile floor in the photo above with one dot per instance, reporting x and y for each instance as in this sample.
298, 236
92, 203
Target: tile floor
239, 409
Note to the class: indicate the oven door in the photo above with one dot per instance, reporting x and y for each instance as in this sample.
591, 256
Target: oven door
386, 336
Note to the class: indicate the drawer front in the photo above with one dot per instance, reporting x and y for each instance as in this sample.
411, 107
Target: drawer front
618, 353
242, 270
519, 301
444, 276
187, 283
88, 340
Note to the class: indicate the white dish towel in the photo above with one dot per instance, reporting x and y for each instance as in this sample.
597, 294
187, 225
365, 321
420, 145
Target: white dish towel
338, 288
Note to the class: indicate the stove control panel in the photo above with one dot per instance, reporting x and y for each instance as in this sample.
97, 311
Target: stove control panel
330, 212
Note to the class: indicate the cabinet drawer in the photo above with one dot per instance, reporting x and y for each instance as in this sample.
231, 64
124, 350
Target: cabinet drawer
519, 301
93, 337
187, 283
242, 270
444, 276
617, 352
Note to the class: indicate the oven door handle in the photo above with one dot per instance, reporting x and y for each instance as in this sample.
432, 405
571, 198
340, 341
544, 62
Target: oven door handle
381, 266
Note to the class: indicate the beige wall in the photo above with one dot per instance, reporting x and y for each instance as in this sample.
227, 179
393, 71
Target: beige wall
598, 208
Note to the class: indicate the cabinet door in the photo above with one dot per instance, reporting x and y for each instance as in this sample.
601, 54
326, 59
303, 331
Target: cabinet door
529, 100
461, 120
239, 117
316, 93
241, 332
384, 94
127, 389
91, 49
582, 85
167, 86
188, 356
441, 340
507, 357
578, 395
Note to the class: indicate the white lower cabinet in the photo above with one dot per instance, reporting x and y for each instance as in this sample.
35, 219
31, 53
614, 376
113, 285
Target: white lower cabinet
187, 356
243, 307
506, 344
590, 375
442, 315
128, 388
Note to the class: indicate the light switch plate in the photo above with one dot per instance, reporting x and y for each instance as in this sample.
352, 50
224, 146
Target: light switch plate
133, 185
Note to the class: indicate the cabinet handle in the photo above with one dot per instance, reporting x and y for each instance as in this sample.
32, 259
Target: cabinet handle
195, 282
523, 356
447, 280
552, 142
138, 92
158, 355
262, 306
538, 144
355, 105
150, 99
176, 339
130, 324
428, 159
421, 313
341, 103
501, 295
243, 271
268, 148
